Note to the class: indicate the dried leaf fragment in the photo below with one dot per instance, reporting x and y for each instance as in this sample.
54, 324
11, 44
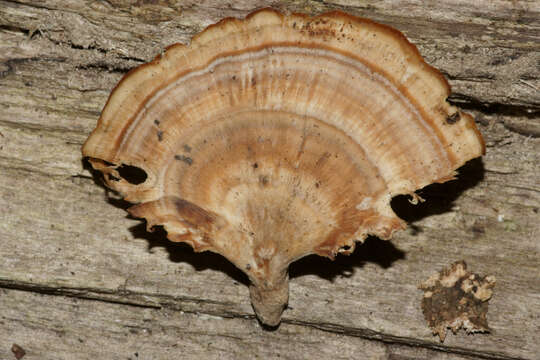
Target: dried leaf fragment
277, 136
18, 351
454, 298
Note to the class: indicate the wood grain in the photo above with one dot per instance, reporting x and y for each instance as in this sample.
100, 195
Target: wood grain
64, 241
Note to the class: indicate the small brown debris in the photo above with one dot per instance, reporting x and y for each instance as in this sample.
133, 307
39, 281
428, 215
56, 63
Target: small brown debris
455, 298
18, 351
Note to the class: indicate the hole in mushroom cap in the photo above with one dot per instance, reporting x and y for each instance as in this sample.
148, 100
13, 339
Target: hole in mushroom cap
132, 174
345, 248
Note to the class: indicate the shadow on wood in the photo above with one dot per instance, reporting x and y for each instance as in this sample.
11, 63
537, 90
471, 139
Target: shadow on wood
182, 252
374, 250
439, 197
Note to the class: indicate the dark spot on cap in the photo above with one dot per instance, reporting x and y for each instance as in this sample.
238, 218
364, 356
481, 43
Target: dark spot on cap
454, 118
194, 215
160, 135
187, 148
184, 158
156, 121
323, 158
263, 180
255, 165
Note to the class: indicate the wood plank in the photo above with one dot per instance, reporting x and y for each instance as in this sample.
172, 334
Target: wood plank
69, 237
62, 235
488, 48
66, 328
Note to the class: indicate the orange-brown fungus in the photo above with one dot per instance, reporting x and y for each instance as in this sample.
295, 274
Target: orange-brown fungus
278, 136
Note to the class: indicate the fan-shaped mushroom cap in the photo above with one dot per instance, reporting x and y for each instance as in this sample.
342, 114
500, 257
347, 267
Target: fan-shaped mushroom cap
278, 136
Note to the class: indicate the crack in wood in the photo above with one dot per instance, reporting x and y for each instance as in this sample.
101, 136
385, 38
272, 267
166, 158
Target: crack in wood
391, 339
127, 297
52, 130
103, 66
14, 29
119, 296
467, 102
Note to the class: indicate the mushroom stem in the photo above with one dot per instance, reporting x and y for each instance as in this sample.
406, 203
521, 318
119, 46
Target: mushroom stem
270, 299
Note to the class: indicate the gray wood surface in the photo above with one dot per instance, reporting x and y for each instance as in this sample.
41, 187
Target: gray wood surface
81, 280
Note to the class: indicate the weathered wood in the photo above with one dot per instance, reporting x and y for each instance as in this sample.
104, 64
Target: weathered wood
61, 237
78, 329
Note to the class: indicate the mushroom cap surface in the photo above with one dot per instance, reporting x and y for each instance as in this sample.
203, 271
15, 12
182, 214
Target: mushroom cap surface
277, 136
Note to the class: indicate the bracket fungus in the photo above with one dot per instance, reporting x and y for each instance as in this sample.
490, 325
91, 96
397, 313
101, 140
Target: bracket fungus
277, 136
